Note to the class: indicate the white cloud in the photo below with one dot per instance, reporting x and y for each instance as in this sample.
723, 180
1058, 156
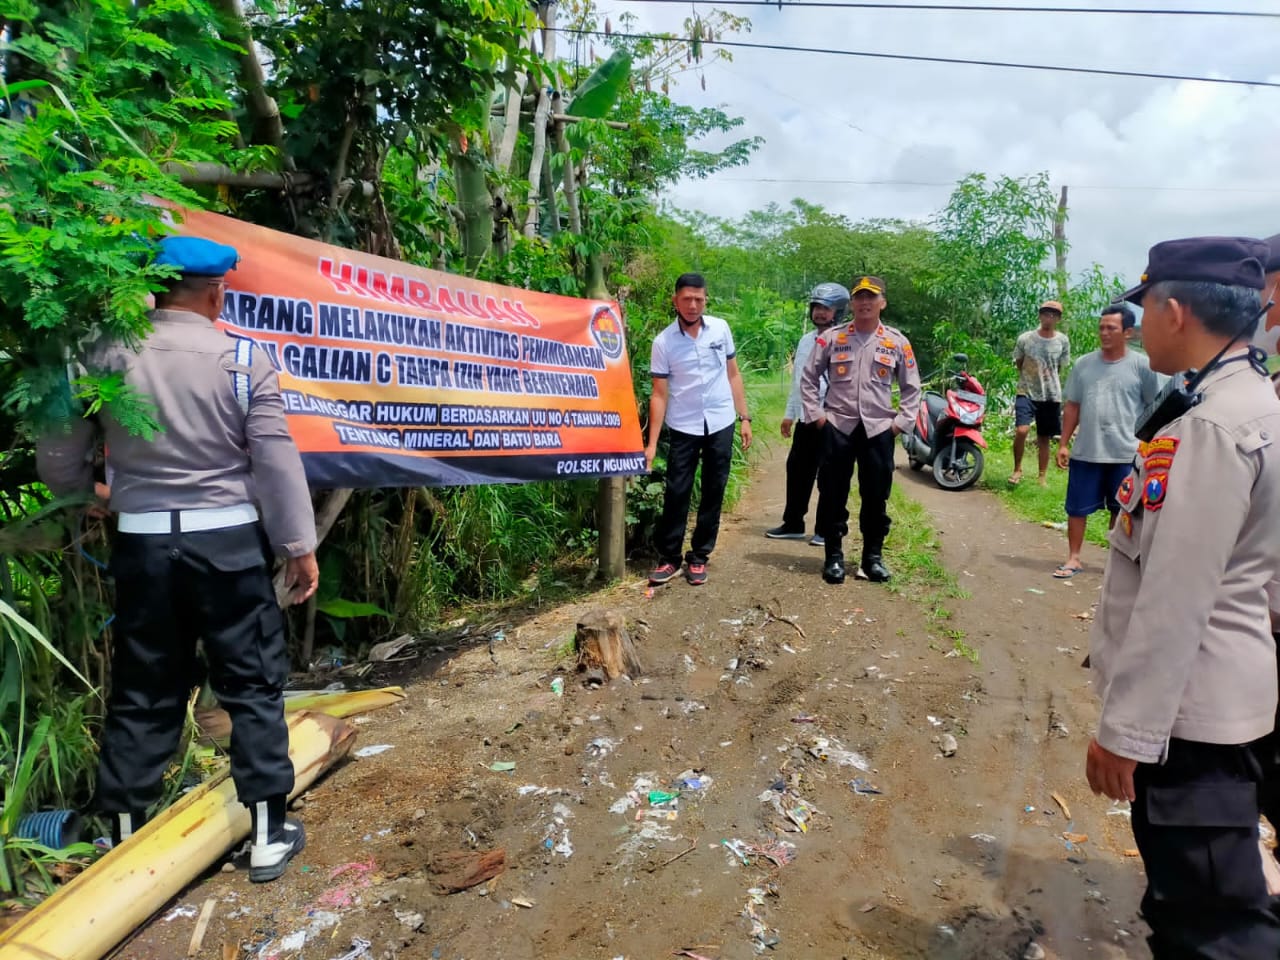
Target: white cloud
855, 119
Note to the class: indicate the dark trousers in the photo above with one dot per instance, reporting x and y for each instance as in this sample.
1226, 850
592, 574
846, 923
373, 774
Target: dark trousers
172, 590
1269, 754
1195, 821
685, 451
802, 471
874, 459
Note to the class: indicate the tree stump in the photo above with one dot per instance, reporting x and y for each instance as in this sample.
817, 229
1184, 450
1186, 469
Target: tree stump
602, 643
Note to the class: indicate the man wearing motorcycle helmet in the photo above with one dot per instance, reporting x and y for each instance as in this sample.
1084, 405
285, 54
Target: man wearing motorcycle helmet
828, 304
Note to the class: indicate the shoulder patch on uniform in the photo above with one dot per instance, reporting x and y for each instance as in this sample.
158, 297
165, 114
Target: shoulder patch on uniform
1124, 493
1154, 490
1167, 445
820, 342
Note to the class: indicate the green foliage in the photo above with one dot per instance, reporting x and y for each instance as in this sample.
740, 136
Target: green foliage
105, 93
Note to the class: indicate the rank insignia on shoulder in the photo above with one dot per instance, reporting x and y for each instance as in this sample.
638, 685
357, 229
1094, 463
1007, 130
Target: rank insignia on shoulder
1154, 489
1125, 493
1126, 524
1167, 445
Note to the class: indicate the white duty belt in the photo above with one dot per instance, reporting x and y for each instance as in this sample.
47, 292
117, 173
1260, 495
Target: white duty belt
187, 521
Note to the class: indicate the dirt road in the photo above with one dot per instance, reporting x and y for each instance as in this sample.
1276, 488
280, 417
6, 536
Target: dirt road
956, 857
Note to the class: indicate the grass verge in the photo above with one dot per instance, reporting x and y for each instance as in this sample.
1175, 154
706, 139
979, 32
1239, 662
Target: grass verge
919, 575
1029, 500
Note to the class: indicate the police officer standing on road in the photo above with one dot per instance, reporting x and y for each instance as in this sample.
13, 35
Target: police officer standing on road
1181, 650
191, 559
860, 360
828, 304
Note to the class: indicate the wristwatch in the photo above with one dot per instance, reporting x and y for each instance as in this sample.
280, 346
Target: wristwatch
742, 419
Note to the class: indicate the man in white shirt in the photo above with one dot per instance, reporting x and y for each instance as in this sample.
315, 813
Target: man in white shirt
828, 305
698, 393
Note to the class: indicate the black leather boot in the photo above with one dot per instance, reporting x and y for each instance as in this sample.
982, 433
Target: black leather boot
873, 568
833, 568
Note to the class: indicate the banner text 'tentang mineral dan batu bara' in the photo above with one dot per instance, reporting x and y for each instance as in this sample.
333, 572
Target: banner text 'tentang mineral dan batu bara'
394, 375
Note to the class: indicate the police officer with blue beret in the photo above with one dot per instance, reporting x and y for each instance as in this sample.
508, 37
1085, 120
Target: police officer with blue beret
202, 505
1181, 649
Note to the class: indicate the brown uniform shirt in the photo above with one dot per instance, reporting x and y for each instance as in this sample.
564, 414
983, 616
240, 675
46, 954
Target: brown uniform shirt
1182, 644
211, 453
860, 373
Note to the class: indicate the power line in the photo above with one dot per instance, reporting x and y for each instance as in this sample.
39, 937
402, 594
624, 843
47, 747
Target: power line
875, 55
976, 8
952, 183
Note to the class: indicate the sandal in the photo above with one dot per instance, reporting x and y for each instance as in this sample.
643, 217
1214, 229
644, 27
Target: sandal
1015, 479
1066, 573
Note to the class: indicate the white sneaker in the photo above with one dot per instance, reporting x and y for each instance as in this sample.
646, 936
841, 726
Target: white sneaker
268, 860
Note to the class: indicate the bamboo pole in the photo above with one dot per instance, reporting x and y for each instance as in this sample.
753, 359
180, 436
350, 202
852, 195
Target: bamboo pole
99, 908
547, 12
570, 174
1060, 245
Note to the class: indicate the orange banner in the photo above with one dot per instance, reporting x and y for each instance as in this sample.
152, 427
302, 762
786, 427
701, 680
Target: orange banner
394, 375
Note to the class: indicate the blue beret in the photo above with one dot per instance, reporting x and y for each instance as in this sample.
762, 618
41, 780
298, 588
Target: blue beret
1232, 261
196, 256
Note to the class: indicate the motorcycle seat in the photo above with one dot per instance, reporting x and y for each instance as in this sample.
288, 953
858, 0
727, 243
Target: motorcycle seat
935, 404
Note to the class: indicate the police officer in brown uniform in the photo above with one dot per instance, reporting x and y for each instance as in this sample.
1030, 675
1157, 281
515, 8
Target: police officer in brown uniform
1181, 650
201, 507
860, 361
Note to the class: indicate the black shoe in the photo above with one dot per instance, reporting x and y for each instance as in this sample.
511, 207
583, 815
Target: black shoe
873, 569
267, 861
277, 839
833, 570
784, 532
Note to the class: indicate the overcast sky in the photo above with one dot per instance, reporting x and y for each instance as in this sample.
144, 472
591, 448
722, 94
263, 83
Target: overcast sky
850, 118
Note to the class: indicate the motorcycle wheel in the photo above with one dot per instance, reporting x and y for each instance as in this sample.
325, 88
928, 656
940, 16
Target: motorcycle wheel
961, 472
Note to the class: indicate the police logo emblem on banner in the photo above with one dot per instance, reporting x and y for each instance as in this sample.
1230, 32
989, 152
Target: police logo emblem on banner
606, 328
1153, 491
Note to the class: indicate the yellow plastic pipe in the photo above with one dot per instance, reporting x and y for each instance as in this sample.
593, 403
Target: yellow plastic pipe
118, 893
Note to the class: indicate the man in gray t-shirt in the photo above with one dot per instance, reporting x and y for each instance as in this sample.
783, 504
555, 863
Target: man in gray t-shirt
1105, 393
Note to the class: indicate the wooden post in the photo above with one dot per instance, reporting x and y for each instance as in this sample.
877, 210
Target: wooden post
611, 517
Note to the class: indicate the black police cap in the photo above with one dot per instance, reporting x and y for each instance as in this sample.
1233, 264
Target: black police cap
1232, 261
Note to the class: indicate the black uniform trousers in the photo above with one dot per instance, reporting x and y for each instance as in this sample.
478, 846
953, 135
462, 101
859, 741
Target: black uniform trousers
172, 590
684, 451
802, 471
1195, 821
874, 459
1269, 751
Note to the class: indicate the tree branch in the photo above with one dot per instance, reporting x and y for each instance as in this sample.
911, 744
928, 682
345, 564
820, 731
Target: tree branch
262, 107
